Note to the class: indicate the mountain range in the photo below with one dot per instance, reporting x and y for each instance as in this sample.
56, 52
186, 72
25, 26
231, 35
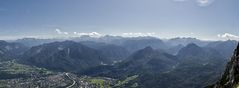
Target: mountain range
142, 62
64, 56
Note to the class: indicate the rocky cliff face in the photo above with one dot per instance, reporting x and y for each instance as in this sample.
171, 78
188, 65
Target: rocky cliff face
230, 78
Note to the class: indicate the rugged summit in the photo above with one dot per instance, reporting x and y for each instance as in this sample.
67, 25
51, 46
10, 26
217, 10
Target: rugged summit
230, 78
9, 51
63, 56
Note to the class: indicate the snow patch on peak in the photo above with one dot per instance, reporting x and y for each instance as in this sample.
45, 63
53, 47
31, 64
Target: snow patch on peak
102, 63
60, 48
68, 51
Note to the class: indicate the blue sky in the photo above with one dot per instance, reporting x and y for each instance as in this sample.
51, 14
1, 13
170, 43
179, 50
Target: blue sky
204, 19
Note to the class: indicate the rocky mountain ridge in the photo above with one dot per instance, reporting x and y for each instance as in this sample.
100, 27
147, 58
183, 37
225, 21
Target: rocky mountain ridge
230, 78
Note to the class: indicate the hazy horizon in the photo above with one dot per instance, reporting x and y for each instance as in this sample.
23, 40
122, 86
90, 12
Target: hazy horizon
102, 36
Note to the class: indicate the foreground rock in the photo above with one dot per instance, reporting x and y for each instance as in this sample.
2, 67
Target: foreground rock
230, 78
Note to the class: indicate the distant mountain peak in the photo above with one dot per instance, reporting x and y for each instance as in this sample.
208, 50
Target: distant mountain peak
64, 56
192, 45
3, 42
184, 38
148, 48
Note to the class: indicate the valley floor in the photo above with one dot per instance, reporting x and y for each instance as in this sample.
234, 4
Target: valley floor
59, 80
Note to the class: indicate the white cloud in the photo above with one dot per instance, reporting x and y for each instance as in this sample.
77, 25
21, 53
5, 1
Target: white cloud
228, 36
204, 2
61, 32
199, 2
138, 34
91, 34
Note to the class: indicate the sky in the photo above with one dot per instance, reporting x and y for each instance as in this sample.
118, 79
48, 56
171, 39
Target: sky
203, 19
